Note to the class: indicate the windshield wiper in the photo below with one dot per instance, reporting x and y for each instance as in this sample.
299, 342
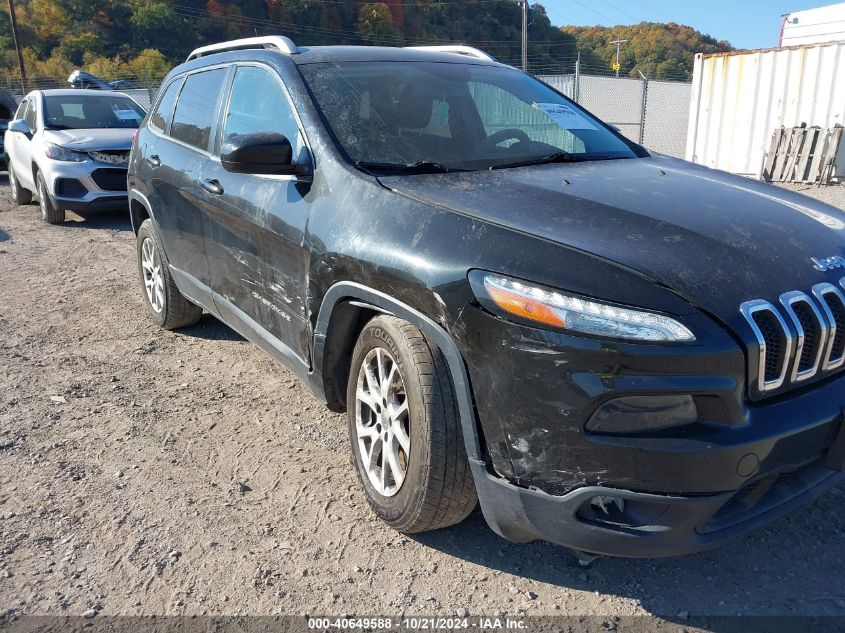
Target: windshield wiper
421, 167
557, 157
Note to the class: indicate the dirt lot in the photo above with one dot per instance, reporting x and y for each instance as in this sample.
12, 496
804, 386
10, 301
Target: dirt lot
150, 472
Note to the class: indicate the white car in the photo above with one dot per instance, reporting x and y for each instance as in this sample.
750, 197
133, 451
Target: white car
70, 148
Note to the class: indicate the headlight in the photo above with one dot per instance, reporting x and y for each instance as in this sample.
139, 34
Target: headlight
568, 312
57, 152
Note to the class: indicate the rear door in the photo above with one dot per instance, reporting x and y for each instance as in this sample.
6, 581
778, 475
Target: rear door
256, 223
172, 166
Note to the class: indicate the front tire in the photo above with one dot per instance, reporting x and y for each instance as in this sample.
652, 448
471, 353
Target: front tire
20, 195
165, 304
49, 211
405, 430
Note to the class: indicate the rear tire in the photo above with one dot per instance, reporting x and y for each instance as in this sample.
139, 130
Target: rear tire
49, 211
402, 414
20, 195
165, 304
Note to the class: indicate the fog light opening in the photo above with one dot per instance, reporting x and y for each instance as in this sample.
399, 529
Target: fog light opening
603, 503
616, 512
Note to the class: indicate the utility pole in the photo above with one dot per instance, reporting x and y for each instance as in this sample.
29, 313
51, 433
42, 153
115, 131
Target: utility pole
13, 19
524, 4
619, 44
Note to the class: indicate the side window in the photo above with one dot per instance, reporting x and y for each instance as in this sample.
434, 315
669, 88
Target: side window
271, 113
29, 115
21, 111
164, 110
194, 113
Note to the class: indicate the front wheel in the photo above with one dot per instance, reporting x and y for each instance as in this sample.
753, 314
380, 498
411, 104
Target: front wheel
405, 431
164, 303
49, 211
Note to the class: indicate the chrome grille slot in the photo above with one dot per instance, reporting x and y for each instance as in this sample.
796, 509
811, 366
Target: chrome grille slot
832, 302
811, 329
774, 343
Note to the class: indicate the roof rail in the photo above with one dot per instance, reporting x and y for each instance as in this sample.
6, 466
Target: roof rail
458, 49
278, 42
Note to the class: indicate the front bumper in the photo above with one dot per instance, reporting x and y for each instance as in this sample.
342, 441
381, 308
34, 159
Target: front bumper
97, 203
679, 524
534, 392
86, 186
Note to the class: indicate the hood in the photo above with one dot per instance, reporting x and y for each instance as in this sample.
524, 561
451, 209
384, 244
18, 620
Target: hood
715, 239
94, 139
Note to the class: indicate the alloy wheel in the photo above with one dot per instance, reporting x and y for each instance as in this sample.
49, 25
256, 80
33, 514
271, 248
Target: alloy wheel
153, 277
382, 422
13, 183
42, 198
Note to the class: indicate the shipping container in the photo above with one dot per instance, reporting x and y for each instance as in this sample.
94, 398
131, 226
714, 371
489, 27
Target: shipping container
814, 26
740, 98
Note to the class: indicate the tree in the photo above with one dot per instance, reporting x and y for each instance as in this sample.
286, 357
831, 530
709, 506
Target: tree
157, 25
375, 25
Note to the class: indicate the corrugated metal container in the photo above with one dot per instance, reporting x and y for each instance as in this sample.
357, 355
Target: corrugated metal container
814, 26
740, 99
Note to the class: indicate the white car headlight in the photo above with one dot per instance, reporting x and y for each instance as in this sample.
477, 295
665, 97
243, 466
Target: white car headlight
568, 312
57, 152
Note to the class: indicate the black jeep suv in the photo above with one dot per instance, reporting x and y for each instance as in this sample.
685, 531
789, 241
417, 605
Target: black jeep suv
613, 350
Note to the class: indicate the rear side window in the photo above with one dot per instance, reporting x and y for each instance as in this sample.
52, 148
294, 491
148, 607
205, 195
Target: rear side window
164, 109
194, 113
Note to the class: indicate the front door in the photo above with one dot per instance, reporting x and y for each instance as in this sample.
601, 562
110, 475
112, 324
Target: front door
255, 231
19, 149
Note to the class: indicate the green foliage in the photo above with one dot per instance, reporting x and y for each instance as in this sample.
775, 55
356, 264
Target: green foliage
157, 25
140, 39
375, 25
659, 51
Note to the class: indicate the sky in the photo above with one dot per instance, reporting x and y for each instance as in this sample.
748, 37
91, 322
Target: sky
744, 23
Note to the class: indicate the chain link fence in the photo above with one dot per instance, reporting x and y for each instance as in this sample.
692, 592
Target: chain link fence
652, 112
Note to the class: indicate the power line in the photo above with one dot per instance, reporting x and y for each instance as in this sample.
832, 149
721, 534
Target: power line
618, 10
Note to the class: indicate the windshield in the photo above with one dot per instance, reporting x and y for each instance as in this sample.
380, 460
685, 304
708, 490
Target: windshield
462, 116
79, 112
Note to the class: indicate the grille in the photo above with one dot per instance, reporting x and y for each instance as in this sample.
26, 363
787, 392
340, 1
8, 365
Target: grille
110, 179
70, 188
800, 339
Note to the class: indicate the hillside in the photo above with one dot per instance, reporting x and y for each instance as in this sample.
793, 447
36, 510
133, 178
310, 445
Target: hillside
660, 51
142, 39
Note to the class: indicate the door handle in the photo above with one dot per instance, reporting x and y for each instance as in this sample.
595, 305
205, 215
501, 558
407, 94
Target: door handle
153, 161
212, 186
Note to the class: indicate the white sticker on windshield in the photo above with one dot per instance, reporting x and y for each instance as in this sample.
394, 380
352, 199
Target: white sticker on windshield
127, 115
565, 116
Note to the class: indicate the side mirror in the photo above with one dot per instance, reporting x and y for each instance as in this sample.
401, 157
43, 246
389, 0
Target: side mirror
261, 153
19, 125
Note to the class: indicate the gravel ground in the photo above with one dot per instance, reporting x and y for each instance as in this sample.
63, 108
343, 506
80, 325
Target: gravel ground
832, 194
148, 472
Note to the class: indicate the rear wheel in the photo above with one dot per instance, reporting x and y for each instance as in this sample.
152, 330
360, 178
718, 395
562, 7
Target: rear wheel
165, 304
405, 430
49, 211
19, 194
